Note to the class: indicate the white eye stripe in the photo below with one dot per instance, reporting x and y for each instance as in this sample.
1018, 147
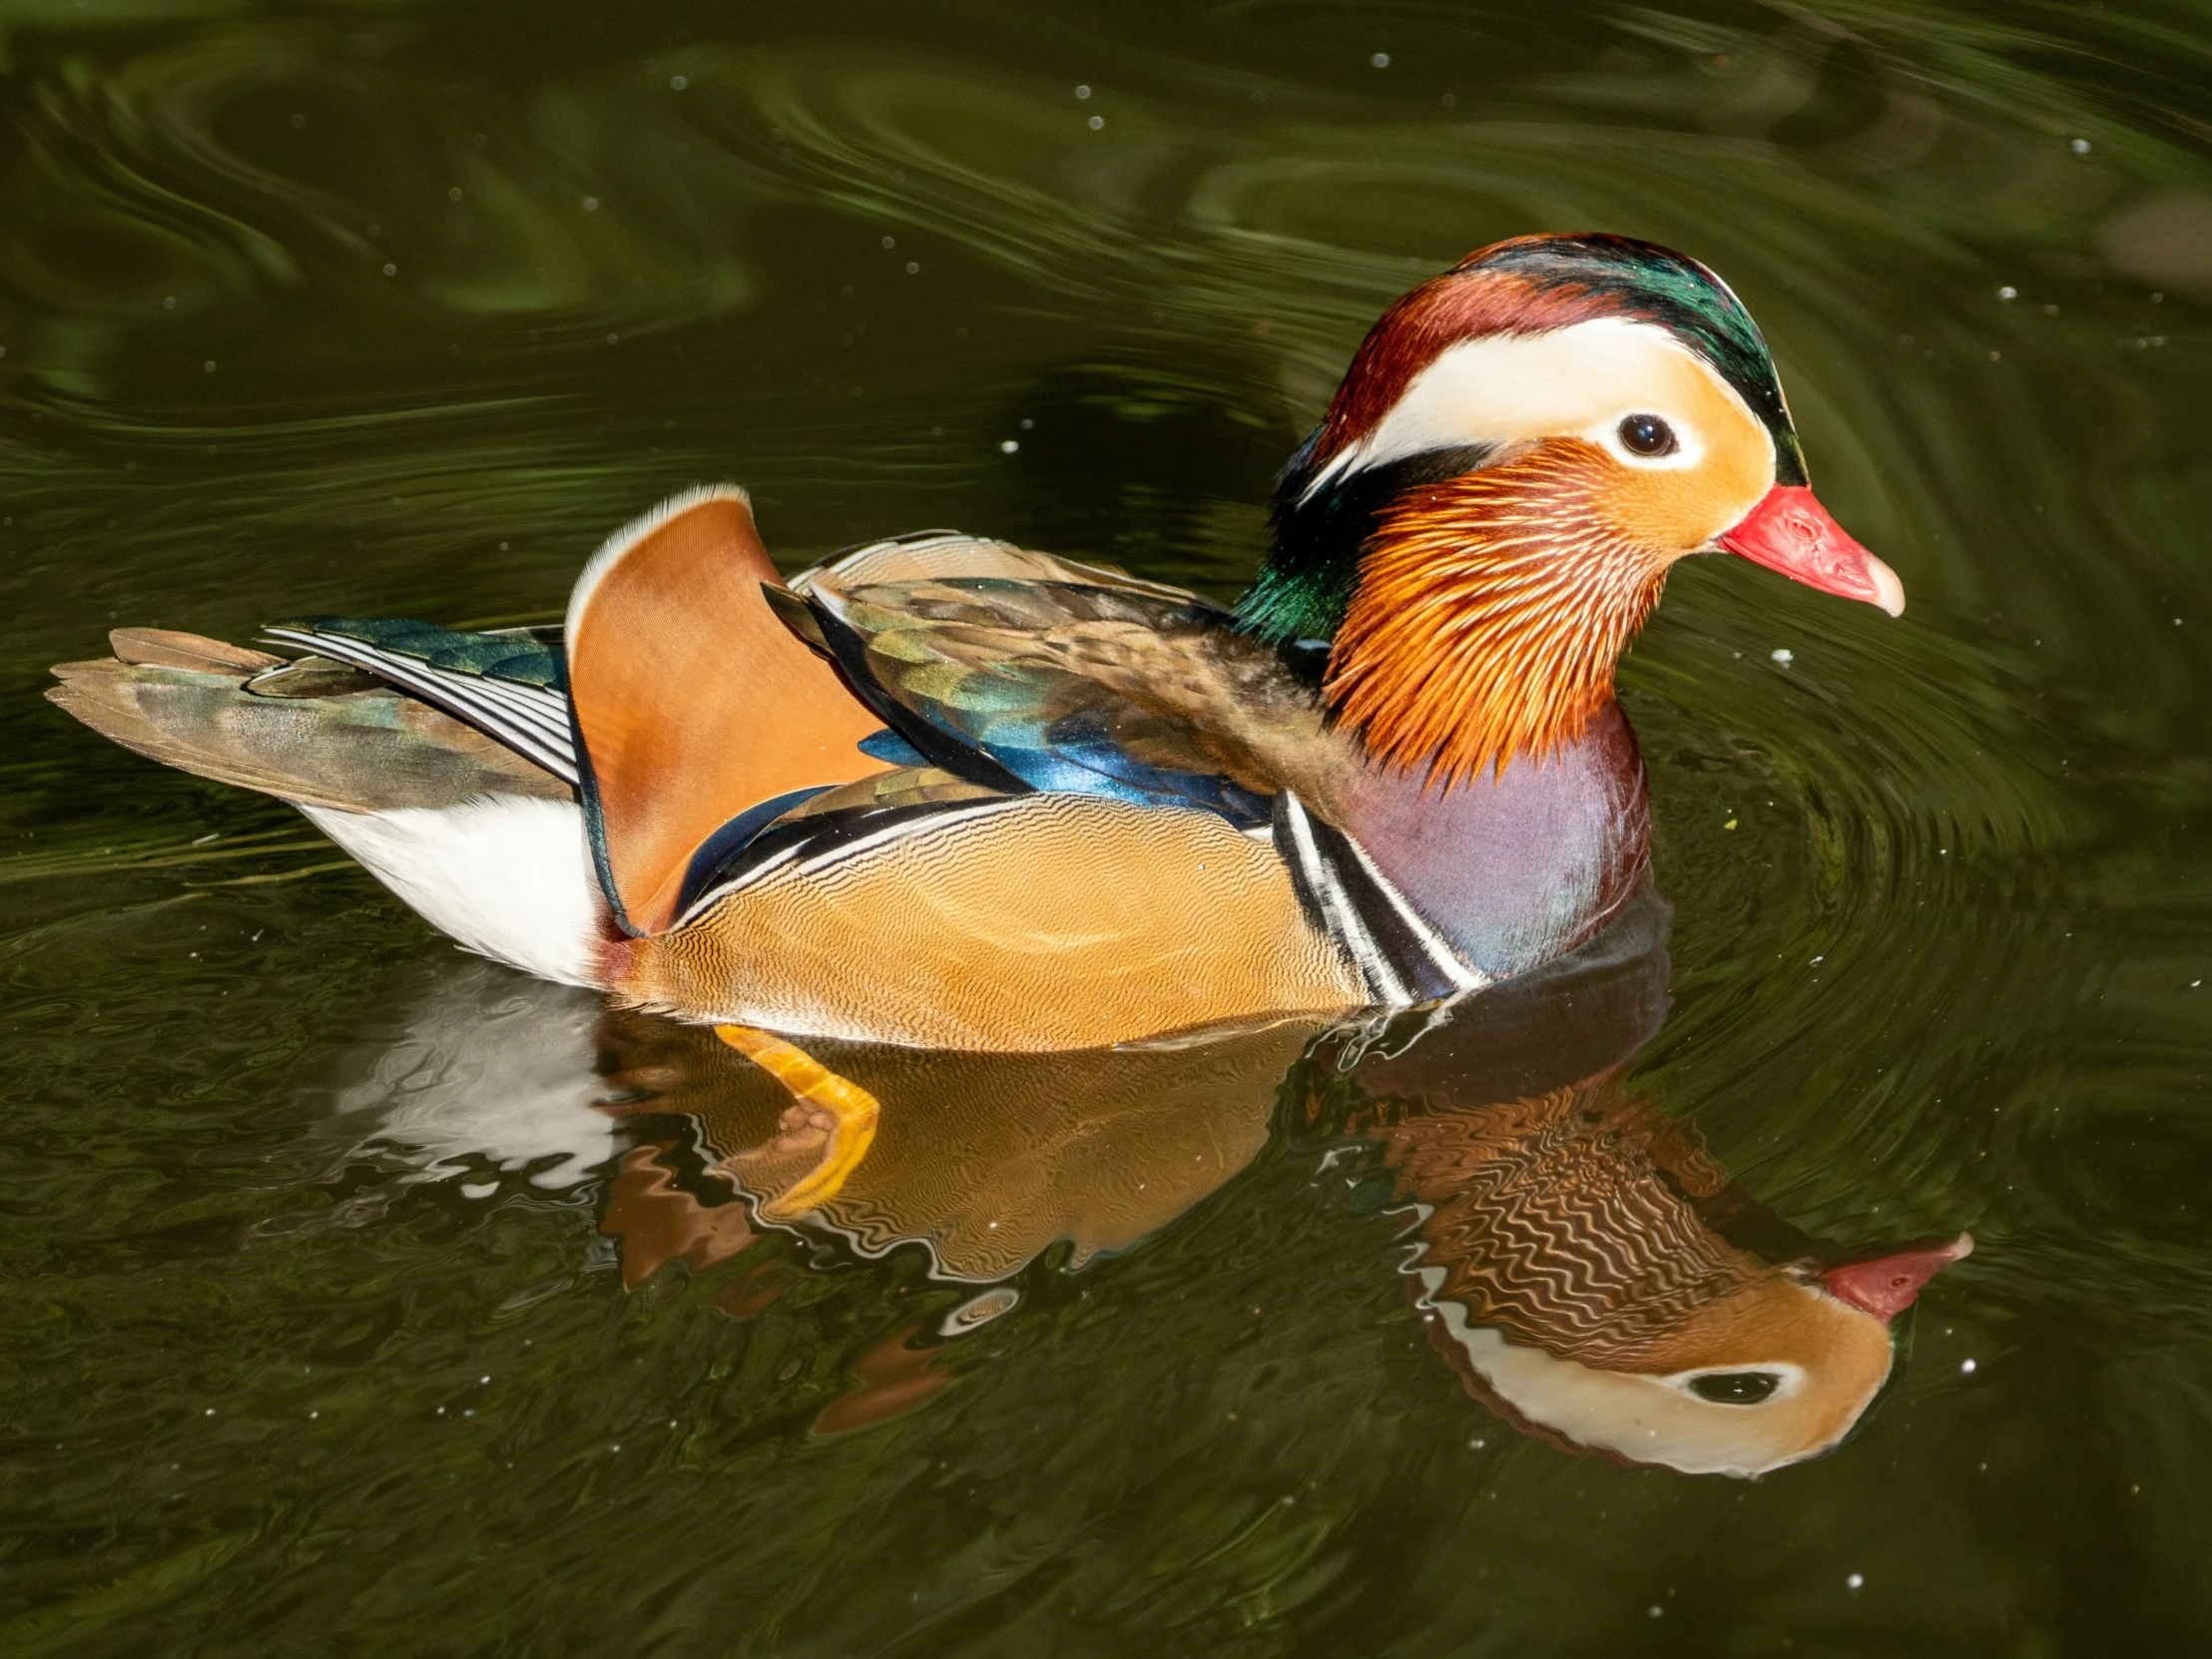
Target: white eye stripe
1578, 381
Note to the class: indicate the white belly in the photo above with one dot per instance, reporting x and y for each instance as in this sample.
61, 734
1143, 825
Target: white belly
507, 877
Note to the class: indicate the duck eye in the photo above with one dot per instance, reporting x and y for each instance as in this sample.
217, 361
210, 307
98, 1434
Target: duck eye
1735, 1388
1647, 434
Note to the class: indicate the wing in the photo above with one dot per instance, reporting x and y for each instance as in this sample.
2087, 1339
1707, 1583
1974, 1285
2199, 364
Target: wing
1016, 669
700, 716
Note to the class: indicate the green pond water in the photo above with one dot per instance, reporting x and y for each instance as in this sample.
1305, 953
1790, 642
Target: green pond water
363, 1297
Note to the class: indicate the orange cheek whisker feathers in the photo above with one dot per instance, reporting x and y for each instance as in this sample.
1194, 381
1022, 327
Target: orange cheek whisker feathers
1487, 617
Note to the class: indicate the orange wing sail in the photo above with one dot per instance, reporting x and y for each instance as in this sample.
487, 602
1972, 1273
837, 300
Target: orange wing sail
693, 703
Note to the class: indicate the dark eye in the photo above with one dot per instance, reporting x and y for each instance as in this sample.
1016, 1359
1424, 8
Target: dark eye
1735, 1388
1648, 435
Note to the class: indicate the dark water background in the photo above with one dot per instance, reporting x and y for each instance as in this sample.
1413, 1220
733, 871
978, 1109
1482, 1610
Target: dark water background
319, 1332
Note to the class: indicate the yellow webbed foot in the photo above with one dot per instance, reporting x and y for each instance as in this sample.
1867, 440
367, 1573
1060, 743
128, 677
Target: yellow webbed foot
845, 1110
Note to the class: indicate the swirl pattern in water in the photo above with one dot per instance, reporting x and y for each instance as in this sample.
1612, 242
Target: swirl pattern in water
358, 1284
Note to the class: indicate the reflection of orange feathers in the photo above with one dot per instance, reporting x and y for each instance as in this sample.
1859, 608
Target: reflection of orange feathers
1476, 633
1556, 1219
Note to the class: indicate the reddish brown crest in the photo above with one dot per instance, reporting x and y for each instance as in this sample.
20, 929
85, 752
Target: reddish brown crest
1465, 302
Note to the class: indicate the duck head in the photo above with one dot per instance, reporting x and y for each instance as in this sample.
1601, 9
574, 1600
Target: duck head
1774, 1371
1594, 1276
1522, 450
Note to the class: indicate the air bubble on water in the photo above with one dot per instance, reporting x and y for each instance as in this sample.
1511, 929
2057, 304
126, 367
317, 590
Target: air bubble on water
1082, 91
1856, 1581
1382, 60
1098, 123
1008, 446
1966, 1367
2079, 147
1784, 654
677, 83
2008, 293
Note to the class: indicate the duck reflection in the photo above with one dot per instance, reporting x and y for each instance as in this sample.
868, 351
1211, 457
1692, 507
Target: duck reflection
984, 1160
1577, 1269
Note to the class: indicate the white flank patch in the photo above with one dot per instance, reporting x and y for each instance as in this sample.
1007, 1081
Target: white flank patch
508, 877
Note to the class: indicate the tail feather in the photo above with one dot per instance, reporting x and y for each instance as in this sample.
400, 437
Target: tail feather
180, 699
484, 845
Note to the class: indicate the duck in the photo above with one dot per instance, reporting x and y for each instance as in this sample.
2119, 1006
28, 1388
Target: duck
947, 793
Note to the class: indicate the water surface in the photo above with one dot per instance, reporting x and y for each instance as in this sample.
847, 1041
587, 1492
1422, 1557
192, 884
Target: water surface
361, 1295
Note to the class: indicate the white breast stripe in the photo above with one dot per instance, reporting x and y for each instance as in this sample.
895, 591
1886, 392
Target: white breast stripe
1433, 945
1344, 917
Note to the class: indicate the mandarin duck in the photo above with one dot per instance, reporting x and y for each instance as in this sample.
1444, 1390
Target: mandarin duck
945, 793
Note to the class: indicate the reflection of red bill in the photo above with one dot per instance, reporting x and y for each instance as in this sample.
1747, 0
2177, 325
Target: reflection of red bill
1885, 1287
1791, 532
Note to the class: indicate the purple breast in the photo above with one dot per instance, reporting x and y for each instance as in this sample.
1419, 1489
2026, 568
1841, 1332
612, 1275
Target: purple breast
1518, 869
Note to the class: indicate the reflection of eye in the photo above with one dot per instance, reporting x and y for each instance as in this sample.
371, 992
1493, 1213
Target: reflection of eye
1647, 434
1735, 1388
